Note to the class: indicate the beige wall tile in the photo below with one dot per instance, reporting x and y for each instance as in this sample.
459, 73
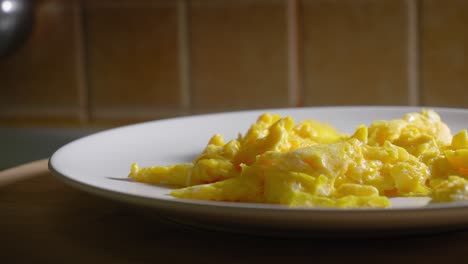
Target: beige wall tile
133, 56
444, 53
355, 52
238, 54
43, 72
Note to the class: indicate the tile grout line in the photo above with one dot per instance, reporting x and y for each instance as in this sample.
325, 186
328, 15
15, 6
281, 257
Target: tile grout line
293, 46
51, 111
103, 112
83, 92
130, 4
413, 63
184, 56
136, 112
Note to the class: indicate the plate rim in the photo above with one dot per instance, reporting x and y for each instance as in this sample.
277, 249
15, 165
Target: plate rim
158, 203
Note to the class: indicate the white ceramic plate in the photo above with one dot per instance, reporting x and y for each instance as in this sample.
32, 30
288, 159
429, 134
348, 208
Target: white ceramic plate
100, 164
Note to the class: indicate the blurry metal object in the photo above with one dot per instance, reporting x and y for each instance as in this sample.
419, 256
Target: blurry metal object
16, 20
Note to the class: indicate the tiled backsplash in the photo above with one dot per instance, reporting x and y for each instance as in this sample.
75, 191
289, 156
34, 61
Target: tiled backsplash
238, 54
355, 52
110, 62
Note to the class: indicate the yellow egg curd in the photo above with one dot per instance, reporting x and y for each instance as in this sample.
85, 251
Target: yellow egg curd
311, 164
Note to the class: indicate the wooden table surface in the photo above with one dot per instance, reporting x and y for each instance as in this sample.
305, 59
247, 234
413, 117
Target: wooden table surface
43, 220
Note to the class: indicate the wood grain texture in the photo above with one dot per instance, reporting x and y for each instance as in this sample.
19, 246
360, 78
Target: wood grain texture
444, 57
355, 52
45, 221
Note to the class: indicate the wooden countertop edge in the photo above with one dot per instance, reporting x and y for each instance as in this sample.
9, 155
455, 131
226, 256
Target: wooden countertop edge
24, 171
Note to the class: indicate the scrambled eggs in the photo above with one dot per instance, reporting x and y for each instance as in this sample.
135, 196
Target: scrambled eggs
313, 164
